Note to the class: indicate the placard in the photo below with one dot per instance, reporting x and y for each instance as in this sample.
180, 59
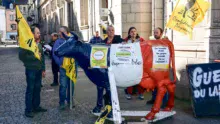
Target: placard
204, 82
98, 57
161, 57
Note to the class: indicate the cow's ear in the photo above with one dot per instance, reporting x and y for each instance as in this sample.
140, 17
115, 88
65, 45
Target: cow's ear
65, 36
75, 35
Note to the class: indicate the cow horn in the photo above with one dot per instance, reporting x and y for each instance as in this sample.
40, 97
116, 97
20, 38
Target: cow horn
75, 35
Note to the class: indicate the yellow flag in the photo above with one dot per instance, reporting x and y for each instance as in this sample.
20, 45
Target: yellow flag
69, 66
187, 14
26, 37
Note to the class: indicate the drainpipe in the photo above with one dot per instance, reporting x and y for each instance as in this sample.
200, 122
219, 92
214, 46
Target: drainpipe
153, 16
94, 16
164, 21
172, 30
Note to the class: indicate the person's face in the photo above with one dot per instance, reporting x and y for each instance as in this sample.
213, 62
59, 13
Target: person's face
37, 34
157, 34
60, 32
54, 38
96, 34
133, 33
111, 32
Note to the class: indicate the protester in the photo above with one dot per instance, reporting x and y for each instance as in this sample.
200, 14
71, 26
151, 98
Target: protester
64, 91
55, 67
158, 32
96, 38
133, 37
111, 39
34, 71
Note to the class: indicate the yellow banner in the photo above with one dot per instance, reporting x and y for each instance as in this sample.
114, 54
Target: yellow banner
98, 57
69, 66
26, 37
187, 14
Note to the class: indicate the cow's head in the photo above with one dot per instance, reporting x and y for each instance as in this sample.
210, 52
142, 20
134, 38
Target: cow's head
70, 47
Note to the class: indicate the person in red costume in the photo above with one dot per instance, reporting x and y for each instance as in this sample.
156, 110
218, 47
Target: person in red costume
158, 32
157, 73
133, 37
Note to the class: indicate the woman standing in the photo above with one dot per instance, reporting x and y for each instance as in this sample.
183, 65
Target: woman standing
133, 37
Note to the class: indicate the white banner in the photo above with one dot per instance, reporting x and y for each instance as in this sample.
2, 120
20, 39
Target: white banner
127, 64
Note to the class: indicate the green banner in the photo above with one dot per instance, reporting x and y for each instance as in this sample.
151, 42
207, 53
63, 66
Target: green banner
98, 57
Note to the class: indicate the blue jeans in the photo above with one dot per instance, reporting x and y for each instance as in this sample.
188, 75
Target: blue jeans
100, 91
64, 91
32, 95
165, 98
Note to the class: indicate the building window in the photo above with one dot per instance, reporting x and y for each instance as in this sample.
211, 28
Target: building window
44, 13
70, 16
61, 17
53, 5
12, 18
13, 27
84, 12
24, 9
49, 24
48, 8
60, 3
104, 5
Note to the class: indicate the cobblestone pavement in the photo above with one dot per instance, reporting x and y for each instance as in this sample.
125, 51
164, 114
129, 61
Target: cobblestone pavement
12, 92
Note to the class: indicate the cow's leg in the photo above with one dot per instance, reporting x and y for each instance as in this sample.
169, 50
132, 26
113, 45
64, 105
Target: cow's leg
170, 104
108, 101
161, 91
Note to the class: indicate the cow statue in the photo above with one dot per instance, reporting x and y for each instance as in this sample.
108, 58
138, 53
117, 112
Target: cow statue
153, 75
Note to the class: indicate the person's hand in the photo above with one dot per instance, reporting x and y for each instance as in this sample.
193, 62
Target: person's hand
124, 43
43, 74
216, 60
39, 54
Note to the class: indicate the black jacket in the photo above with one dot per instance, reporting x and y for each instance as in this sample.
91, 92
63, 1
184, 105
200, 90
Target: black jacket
30, 61
117, 39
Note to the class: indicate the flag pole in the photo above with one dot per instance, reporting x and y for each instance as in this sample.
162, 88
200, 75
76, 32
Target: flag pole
71, 95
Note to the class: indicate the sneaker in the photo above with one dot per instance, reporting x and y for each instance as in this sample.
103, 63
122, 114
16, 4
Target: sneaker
54, 84
150, 102
96, 111
110, 116
62, 107
29, 114
128, 96
40, 109
141, 96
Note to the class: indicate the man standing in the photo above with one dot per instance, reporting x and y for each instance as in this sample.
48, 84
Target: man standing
96, 39
111, 39
55, 67
64, 91
34, 71
158, 32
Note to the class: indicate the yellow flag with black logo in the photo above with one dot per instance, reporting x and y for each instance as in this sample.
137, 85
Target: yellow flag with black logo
187, 14
26, 37
69, 66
